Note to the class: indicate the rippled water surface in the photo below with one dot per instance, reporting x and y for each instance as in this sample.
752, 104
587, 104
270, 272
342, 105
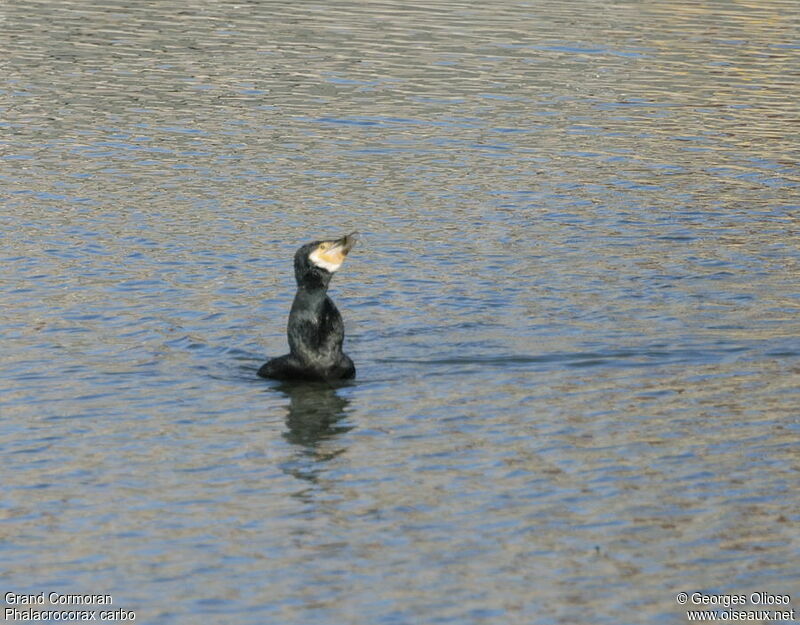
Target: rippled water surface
574, 308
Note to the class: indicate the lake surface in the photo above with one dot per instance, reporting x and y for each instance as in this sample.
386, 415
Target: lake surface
573, 310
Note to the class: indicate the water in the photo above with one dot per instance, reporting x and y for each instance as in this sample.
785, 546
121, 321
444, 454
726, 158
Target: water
573, 310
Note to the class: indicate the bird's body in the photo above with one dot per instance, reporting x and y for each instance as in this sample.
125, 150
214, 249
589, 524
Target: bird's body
315, 329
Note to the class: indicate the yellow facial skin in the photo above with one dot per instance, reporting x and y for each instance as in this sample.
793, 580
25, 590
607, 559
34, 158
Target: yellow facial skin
331, 254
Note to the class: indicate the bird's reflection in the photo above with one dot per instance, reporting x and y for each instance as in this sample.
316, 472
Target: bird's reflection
313, 418
314, 413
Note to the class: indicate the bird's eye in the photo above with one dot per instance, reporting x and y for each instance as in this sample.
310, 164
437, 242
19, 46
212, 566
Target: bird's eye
324, 246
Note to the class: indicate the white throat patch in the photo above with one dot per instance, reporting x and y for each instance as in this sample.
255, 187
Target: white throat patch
326, 261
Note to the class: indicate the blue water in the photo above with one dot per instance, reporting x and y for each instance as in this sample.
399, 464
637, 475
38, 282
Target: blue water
573, 309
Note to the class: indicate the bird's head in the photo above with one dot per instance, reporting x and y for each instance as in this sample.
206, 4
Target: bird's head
316, 262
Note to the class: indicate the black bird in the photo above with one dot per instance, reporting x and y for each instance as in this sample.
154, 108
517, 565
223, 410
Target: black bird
315, 328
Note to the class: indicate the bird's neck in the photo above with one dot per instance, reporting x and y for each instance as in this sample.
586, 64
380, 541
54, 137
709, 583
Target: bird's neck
310, 297
313, 280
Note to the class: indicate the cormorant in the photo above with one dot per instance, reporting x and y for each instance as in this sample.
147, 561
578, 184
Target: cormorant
315, 329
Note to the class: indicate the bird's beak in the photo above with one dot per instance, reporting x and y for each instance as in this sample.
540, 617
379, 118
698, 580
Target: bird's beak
346, 243
333, 257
